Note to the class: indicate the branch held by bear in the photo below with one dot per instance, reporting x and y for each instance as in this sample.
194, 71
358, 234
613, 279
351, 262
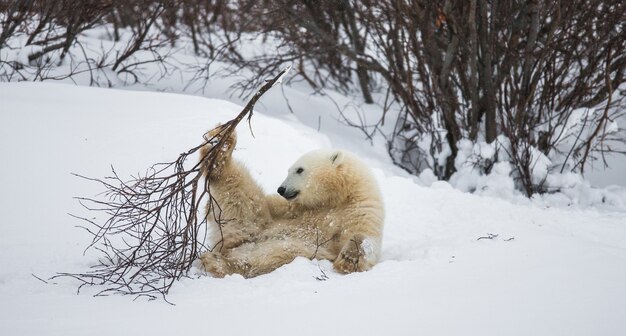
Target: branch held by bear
153, 232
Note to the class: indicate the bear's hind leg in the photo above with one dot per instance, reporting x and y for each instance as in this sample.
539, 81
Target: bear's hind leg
358, 254
254, 259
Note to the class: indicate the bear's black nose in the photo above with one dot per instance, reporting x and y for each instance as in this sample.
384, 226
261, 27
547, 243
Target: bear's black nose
281, 191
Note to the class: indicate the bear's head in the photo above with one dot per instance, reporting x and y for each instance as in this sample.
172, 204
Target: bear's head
316, 179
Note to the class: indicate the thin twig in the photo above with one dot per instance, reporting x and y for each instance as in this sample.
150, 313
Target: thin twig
153, 231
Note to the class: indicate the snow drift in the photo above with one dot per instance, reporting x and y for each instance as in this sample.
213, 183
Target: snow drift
543, 271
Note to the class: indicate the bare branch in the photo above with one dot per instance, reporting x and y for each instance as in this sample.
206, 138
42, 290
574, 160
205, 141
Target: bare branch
153, 229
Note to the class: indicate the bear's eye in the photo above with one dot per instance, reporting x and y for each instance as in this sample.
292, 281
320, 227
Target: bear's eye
299, 171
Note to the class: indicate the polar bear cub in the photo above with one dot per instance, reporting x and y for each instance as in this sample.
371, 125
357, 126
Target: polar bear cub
328, 207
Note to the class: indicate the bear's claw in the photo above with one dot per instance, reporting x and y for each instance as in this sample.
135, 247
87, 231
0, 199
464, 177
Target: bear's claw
214, 264
351, 258
222, 156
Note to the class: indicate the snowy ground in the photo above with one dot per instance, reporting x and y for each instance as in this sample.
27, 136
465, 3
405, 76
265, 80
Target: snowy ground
550, 271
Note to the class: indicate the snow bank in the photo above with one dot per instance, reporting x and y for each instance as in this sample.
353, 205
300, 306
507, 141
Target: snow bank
547, 272
485, 169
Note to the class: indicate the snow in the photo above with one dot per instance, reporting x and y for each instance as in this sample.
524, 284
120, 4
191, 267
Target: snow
552, 269
368, 247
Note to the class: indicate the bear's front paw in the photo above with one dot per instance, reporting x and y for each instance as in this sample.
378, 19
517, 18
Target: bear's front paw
217, 157
352, 257
214, 264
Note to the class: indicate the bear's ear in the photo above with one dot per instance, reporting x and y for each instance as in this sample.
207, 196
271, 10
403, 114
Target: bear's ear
336, 158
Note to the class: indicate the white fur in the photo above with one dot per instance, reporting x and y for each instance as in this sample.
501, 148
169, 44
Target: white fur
336, 213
